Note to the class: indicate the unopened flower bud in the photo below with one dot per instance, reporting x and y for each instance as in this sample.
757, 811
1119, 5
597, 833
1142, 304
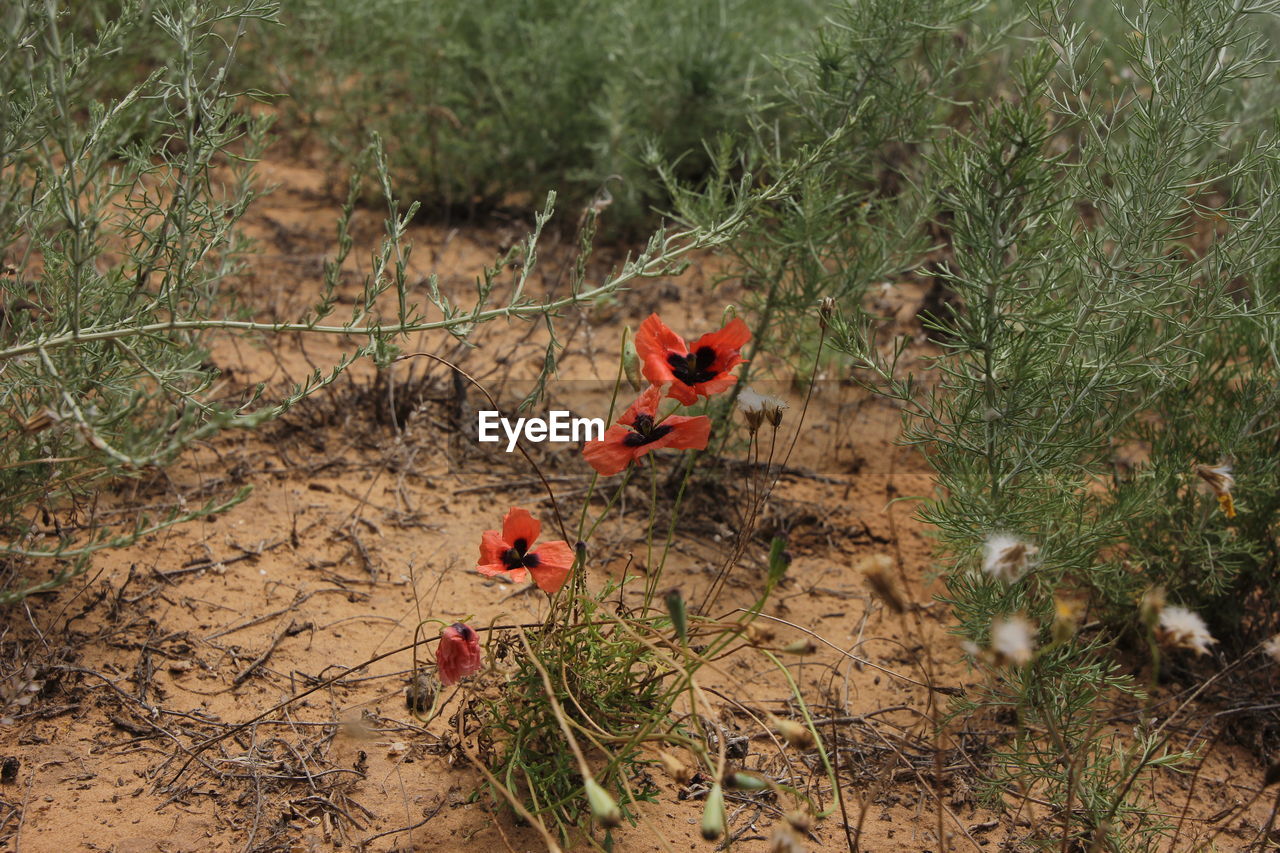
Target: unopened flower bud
826, 311
713, 814
746, 781
794, 733
800, 647
676, 610
675, 768
877, 572
631, 364
457, 654
603, 807
1150, 606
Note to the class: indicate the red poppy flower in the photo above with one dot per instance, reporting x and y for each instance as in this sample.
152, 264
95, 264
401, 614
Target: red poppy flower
511, 553
458, 654
638, 432
693, 371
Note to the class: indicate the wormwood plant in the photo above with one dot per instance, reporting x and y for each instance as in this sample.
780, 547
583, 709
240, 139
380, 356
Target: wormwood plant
120, 191
486, 106
876, 84
1110, 233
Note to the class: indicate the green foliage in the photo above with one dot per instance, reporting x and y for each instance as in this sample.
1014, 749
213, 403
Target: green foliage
111, 216
602, 676
485, 106
1093, 190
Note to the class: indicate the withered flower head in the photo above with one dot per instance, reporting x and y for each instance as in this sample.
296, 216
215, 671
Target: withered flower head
1006, 557
1181, 628
1220, 481
877, 572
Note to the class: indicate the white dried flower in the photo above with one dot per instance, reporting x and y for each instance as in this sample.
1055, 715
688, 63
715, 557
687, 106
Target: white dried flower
1217, 477
1272, 648
1220, 481
1006, 557
757, 407
1013, 641
1181, 628
784, 840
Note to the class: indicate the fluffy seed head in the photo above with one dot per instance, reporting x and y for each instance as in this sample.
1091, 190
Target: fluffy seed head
757, 407
1272, 648
1013, 641
1006, 557
783, 840
1181, 628
801, 821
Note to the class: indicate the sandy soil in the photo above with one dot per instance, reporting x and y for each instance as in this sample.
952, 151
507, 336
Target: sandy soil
367, 507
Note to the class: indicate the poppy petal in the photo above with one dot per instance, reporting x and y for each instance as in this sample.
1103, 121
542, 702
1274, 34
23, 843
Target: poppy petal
686, 433
654, 337
654, 343
555, 559
519, 524
645, 404
714, 386
732, 338
491, 570
610, 455
687, 395
492, 547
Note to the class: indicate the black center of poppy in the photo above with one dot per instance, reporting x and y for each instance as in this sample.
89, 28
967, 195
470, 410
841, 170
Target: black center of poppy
694, 367
644, 432
516, 557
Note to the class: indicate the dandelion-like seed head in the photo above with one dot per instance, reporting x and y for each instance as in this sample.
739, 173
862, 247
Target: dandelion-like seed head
1272, 648
1181, 628
757, 408
1013, 641
1006, 557
784, 840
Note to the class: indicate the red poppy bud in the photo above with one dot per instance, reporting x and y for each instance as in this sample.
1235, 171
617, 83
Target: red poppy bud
458, 654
